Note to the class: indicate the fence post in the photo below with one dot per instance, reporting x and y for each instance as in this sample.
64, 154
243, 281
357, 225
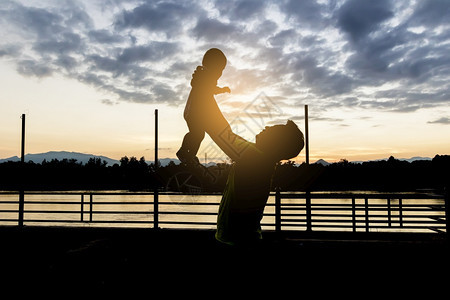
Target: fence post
306, 135
354, 214
308, 211
82, 207
366, 207
22, 164
447, 211
21, 207
155, 194
156, 209
400, 212
277, 210
90, 207
389, 211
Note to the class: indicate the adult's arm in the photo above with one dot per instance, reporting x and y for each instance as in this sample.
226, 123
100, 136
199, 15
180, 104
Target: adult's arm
231, 144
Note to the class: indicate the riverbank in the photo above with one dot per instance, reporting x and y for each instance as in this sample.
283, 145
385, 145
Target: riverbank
66, 257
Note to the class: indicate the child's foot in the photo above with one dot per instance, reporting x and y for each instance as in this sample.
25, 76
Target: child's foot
186, 158
183, 156
194, 160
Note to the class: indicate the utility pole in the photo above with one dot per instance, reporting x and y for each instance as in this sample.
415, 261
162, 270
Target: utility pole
156, 139
22, 157
22, 160
156, 194
308, 192
306, 135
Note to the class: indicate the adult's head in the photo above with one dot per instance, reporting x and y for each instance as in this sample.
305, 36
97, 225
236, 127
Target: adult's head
280, 142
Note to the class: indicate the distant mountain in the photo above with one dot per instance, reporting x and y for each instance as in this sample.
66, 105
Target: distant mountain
60, 155
416, 158
404, 159
164, 161
322, 162
84, 158
80, 157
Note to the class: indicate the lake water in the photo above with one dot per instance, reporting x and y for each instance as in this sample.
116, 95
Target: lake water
116, 209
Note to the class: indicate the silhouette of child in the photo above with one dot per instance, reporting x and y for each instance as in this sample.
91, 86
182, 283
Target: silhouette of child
201, 112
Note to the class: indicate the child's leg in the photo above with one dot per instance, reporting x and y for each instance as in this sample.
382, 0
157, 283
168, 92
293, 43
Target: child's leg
191, 143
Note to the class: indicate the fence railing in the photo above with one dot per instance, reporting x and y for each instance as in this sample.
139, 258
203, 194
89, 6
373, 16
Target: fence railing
367, 212
403, 212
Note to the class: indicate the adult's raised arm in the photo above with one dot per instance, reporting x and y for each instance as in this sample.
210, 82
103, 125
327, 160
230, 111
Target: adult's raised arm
231, 144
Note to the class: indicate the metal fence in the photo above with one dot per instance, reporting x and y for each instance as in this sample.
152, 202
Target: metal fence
402, 212
367, 212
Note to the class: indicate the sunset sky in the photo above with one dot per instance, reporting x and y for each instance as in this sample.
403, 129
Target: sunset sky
89, 74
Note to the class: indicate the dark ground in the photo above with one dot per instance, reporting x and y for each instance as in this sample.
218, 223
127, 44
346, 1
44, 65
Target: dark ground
75, 260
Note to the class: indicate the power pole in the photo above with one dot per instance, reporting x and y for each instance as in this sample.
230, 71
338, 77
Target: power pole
22, 157
306, 135
155, 193
22, 160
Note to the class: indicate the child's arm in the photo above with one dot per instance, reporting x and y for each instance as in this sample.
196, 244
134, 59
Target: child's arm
219, 90
199, 78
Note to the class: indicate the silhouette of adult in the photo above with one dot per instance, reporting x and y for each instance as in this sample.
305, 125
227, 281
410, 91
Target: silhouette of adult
248, 185
249, 181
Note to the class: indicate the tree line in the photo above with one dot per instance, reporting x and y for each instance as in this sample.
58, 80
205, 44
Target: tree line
136, 174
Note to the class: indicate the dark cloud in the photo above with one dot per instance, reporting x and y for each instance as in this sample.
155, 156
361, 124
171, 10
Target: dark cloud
214, 30
325, 50
36, 20
443, 120
431, 13
108, 102
104, 36
104, 63
241, 10
33, 68
283, 37
165, 17
383, 52
306, 13
65, 43
154, 51
359, 18
66, 62
9, 50
320, 79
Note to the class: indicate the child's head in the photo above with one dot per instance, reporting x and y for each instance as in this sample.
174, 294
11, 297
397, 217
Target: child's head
214, 60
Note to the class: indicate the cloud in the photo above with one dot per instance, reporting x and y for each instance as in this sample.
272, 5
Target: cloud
320, 79
214, 30
377, 55
33, 68
443, 120
305, 13
105, 36
164, 17
359, 18
68, 42
153, 51
241, 10
9, 50
108, 102
431, 13
39, 21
